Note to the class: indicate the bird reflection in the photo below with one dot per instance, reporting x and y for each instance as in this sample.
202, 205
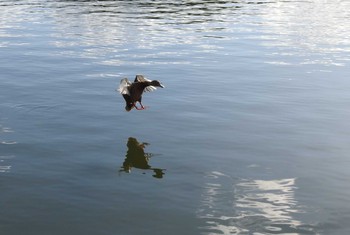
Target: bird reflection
137, 158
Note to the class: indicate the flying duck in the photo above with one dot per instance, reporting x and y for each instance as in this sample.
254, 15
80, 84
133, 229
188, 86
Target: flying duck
132, 92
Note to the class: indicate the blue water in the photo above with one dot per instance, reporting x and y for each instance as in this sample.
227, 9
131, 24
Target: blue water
250, 135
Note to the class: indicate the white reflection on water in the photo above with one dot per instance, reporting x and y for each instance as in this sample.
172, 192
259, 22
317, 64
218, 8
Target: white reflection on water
301, 33
217, 206
316, 32
272, 200
139, 32
5, 165
250, 206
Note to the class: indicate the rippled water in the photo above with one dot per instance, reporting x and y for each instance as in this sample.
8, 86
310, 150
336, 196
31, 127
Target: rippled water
250, 135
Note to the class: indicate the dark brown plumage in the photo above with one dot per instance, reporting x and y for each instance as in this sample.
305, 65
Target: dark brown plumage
132, 92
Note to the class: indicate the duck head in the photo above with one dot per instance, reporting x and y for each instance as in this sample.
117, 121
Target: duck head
156, 83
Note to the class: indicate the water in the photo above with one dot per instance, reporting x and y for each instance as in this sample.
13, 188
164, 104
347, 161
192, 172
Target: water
250, 135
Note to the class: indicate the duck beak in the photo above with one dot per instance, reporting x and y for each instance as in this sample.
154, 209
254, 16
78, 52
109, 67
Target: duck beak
162, 86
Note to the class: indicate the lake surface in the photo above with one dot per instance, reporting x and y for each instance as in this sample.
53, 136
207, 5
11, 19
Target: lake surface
249, 136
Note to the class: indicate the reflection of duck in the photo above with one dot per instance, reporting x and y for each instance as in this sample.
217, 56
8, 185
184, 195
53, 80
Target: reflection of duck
132, 92
136, 157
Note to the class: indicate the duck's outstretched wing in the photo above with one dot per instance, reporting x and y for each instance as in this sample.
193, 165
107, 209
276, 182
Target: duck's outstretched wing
123, 86
141, 78
150, 88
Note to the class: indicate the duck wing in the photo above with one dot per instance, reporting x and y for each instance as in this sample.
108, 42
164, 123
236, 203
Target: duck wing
142, 79
123, 86
150, 88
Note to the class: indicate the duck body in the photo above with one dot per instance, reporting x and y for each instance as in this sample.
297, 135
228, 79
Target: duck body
132, 92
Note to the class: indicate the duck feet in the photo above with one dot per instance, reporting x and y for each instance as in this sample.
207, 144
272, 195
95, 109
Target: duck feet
142, 107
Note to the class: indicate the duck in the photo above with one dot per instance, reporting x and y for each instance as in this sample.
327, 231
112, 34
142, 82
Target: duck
132, 92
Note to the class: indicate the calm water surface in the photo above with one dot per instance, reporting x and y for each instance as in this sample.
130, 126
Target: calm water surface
250, 135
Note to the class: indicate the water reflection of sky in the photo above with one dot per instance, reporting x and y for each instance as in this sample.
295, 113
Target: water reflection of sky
323, 40
261, 206
173, 32
272, 200
159, 33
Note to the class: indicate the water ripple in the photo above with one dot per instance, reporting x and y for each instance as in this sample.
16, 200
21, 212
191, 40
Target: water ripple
5, 163
5, 160
105, 28
251, 206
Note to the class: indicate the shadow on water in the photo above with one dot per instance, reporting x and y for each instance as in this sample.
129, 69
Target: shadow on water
137, 158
